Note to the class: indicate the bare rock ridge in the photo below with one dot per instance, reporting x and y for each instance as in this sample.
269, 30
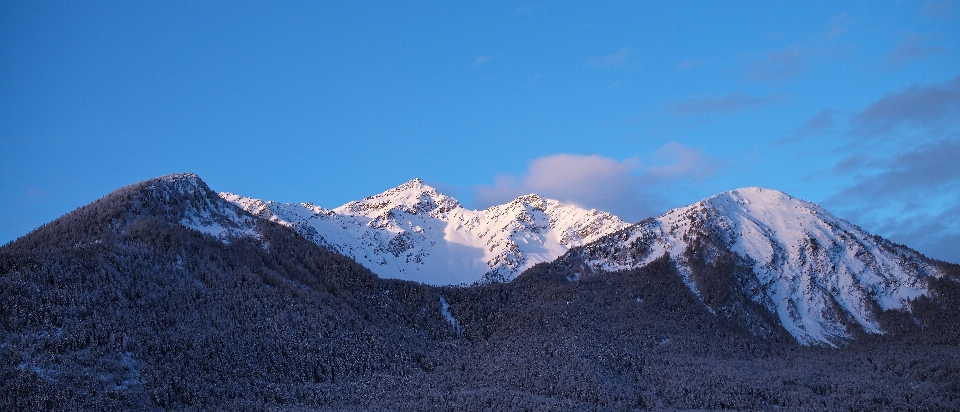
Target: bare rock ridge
415, 233
820, 276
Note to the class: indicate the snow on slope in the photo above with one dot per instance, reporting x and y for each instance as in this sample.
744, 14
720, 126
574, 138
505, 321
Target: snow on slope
413, 232
812, 269
187, 198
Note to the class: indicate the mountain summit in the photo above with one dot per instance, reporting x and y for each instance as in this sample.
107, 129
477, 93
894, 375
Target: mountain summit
413, 232
754, 250
413, 197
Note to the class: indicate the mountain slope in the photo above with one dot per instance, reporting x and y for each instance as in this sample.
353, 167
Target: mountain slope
123, 305
162, 295
817, 274
181, 199
413, 232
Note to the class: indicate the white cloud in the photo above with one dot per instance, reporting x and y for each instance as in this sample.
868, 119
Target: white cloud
628, 188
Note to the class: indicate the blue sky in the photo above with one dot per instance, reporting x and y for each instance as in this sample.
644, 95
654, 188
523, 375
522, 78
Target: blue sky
631, 107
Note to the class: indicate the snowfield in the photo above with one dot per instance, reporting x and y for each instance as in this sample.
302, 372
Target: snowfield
412, 232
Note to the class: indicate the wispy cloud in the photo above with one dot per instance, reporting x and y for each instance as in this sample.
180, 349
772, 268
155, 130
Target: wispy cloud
689, 64
937, 9
917, 111
781, 64
628, 188
912, 47
838, 25
482, 60
929, 168
731, 103
613, 59
823, 123
937, 235
924, 107
35, 195
797, 59
676, 161
900, 156
526, 8
903, 196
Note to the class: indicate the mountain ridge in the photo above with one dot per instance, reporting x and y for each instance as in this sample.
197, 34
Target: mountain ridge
123, 305
759, 255
792, 257
414, 232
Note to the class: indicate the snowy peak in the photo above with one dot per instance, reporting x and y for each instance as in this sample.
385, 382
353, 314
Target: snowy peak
772, 209
414, 232
757, 195
187, 199
815, 272
414, 197
180, 180
533, 201
174, 188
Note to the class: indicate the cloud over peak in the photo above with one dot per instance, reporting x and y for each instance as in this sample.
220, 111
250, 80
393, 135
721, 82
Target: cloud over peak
628, 188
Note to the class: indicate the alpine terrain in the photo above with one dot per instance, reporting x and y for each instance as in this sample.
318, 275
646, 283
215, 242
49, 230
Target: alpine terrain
165, 295
753, 250
413, 232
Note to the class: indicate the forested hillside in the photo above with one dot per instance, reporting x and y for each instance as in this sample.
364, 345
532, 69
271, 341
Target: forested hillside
124, 304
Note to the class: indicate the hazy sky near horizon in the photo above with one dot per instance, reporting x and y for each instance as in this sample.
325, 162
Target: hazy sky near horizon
631, 107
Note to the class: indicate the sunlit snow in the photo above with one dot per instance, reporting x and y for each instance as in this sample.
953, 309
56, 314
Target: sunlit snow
413, 232
805, 258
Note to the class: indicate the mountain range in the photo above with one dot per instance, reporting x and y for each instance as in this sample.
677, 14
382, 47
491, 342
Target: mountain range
167, 295
816, 273
412, 232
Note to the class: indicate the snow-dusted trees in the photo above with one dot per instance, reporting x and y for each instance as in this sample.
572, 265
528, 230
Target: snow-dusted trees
117, 306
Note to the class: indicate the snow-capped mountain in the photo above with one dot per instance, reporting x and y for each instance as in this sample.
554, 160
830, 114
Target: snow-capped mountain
413, 232
814, 272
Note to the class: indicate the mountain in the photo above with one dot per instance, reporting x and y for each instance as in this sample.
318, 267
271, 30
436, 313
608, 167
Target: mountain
754, 252
162, 295
413, 232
